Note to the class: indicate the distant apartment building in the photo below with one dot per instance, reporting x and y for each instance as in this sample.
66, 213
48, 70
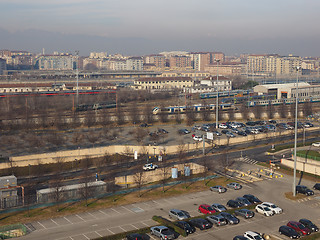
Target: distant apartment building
221, 84
159, 61
134, 64
56, 62
270, 64
163, 83
3, 65
202, 59
226, 69
179, 62
98, 55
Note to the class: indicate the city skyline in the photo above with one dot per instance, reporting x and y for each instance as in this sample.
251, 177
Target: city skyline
142, 27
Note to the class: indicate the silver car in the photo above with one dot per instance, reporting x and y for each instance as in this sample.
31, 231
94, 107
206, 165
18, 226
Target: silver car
218, 207
234, 185
218, 189
178, 214
162, 232
218, 220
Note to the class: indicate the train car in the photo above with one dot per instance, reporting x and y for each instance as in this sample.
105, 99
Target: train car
195, 108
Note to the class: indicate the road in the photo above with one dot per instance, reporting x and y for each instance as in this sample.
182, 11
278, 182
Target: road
93, 224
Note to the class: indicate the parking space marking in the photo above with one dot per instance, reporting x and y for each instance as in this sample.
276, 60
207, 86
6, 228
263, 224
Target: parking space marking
115, 210
86, 236
68, 220
126, 208
98, 234
145, 224
55, 222
92, 215
42, 225
122, 229
80, 217
110, 231
134, 226
103, 212
150, 235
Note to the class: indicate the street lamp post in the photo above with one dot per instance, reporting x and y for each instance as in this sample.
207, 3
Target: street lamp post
295, 137
77, 73
217, 96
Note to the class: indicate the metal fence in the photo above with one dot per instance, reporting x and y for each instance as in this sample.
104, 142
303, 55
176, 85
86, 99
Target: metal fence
303, 155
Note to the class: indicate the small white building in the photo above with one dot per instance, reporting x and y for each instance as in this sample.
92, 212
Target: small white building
288, 90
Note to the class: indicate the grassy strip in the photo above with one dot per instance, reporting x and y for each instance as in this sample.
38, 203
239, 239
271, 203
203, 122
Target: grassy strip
169, 224
123, 235
286, 146
312, 237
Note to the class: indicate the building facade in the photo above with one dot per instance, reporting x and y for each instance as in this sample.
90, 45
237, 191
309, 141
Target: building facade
3, 65
56, 62
8, 191
134, 64
163, 83
159, 61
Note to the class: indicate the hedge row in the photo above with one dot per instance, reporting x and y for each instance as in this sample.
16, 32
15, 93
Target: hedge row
169, 224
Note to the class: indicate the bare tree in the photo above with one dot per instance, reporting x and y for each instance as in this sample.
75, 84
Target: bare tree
147, 113
93, 137
134, 113
244, 110
85, 190
270, 110
190, 115
205, 111
57, 182
139, 134
283, 110
165, 170
139, 180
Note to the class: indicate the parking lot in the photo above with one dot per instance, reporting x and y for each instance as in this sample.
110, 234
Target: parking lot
109, 221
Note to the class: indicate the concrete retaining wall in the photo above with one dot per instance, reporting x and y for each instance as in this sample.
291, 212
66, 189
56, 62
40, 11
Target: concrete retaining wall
157, 175
305, 165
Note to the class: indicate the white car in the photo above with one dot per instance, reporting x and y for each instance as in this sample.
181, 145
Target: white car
253, 235
150, 166
197, 138
273, 207
264, 210
316, 144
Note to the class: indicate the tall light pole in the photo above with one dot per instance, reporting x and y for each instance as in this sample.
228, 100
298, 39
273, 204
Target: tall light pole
217, 96
295, 137
77, 73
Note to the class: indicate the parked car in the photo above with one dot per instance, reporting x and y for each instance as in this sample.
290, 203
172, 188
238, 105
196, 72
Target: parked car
234, 204
162, 131
273, 207
230, 218
316, 186
178, 214
197, 138
272, 121
239, 237
137, 236
308, 124
184, 131
243, 201
223, 125
200, 223
244, 213
145, 125
307, 223
253, 235
264, 210
242, 133
250, 123
299, 228
252, 198
206, 209
316, 144
218, 220
304, 190
234, 185
218, 207
289, 232
224, 131
218, 189
162, 232
149, 166
186, 227
230, 135
216, 133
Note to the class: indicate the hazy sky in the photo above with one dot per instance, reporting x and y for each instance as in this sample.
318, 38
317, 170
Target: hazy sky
137, 27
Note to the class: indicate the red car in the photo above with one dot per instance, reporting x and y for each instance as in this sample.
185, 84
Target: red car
206, 209
299, 227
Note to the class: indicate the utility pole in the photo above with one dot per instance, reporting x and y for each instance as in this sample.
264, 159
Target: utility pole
77, 75
295, 137
217, 96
